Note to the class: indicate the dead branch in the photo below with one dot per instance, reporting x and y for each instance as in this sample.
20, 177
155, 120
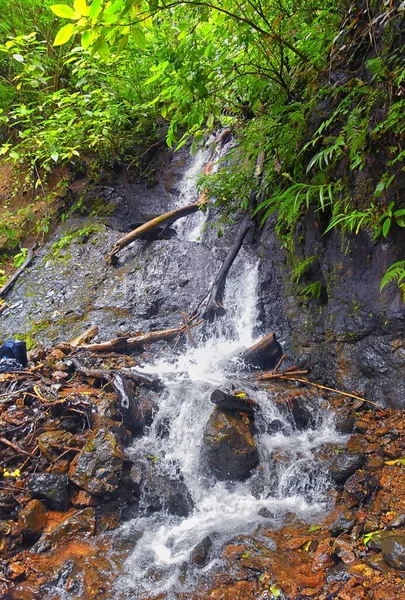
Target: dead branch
214, 305
138, 339
169, 217
15, 447
296, 376
7, 286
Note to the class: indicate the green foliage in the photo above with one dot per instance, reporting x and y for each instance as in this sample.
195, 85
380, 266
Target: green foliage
312, 291
302, 267
378, 219
395, 273
20, 257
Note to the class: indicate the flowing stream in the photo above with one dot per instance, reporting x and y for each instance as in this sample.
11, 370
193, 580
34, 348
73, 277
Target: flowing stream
295, 482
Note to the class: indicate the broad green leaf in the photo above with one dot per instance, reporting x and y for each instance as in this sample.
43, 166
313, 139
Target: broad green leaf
64, 34
386, 227
81, 7
55, 156
65, 11
102, 48
139, 38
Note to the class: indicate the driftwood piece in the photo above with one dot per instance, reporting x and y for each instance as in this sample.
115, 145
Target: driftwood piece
214, 304
138, 339
7, 286
264, 354
84, 337
232, 403
169, 217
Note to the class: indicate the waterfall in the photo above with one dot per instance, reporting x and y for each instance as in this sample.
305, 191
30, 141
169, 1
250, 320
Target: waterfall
221, 510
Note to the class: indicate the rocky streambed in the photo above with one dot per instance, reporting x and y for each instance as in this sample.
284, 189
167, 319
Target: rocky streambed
71, 485
124, 475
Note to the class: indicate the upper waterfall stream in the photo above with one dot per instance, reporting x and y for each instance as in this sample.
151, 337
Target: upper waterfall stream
295, 482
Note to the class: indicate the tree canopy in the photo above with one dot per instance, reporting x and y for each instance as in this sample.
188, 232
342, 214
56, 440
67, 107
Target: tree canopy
318, 87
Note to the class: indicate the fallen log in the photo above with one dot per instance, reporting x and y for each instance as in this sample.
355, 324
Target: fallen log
233, 403
169, 217
264, 354
7, 286
214, 305
138, 339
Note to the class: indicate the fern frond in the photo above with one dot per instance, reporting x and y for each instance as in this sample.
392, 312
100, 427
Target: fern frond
396, 272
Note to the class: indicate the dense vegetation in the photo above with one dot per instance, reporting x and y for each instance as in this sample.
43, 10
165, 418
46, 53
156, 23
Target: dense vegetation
318, 88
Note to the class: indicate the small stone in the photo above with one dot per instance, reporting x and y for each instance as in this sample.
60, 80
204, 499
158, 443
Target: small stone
375, 463
51, 488
393, 550
83, 499
200, 553
77, 526
344, 522
343, 464
344, 550
32, 519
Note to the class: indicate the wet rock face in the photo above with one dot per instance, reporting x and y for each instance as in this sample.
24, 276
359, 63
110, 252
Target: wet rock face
66, 291
229, 446
97, 468
354, 337
51, 488
160, 490
343, 464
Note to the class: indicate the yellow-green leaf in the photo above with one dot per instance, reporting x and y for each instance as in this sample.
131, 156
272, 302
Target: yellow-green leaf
65, 11
101, 47
95, 9
400, 461
64, 34
81, 7
86, 39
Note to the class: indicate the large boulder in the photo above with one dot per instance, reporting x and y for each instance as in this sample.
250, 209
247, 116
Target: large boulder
97, 468
230, 447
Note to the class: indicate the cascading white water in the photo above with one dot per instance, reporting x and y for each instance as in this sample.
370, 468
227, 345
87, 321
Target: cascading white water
190, 227
221, 509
